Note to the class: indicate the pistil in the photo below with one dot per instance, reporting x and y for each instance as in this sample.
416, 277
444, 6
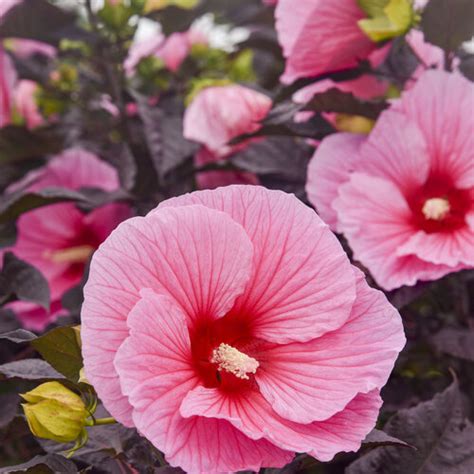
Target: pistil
231, 360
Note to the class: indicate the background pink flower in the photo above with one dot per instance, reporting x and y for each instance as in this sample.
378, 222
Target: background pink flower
7, 83
233, 318
173, 49
216, 116
319, 36
25, 103
404, 197
59, 239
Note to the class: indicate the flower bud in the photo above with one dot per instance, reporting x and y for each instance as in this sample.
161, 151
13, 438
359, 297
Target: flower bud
54, 412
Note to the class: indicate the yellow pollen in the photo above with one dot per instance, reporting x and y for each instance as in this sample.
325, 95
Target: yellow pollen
232, 360
78, 254
436, 208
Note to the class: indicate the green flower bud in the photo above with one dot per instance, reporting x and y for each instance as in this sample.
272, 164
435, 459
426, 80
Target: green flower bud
55, 412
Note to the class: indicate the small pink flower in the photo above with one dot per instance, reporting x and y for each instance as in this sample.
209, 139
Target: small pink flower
231, 330
215, 117
7, 83
172, 50
59, 239
404, 196
25, 103
24, 48
320, 36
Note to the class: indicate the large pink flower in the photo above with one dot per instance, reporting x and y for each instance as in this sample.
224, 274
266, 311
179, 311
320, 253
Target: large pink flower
320, 36
59, 239
7, 82
404, 197
216, 116
230, 328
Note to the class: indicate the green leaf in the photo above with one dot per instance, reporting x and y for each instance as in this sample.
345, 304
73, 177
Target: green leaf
448, 23
61, 349
373, 8
21, 281
395, 20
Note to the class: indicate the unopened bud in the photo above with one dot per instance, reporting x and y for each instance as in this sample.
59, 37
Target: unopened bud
55, 412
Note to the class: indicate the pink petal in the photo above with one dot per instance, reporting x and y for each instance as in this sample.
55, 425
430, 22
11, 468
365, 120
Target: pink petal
396, 151
25, 103
441, 104
253, 415
442, 248
330, 166
302, 284
158, 344
197, 444
199, 257
374, 216
7, 82
218, 114
306, 382
319, 36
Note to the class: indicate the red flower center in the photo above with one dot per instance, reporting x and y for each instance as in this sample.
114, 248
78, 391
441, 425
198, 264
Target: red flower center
224, 352
439, 206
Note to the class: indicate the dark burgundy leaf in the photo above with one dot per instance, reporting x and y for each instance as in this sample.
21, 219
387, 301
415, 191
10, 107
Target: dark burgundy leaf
19, 202
439, 429
455, 342
18, 336
51, 463
163, 128
467, 66
8, 407
335, 100
448, 23
29, 369
378, 438
21, 281
41, 21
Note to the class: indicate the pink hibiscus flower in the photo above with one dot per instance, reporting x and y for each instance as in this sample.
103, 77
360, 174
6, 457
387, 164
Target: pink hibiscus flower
320, 36
231, 330
216, 116
59, 239
404, 197
7, 83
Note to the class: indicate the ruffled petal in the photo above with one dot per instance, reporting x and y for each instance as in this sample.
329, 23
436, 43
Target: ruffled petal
314, 380
320, 36
442, 248
331, 165
396, 151
302, 284
158, 344
197, 444
253, 415
441, 104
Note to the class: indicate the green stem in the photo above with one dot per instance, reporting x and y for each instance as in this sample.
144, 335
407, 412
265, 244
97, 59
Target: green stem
105, 421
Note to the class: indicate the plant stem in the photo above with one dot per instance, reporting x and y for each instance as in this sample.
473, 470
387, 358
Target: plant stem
104, 421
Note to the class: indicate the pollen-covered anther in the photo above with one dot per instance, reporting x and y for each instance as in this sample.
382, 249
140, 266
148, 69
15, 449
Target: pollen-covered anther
79, 254
231, 360
436, 208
